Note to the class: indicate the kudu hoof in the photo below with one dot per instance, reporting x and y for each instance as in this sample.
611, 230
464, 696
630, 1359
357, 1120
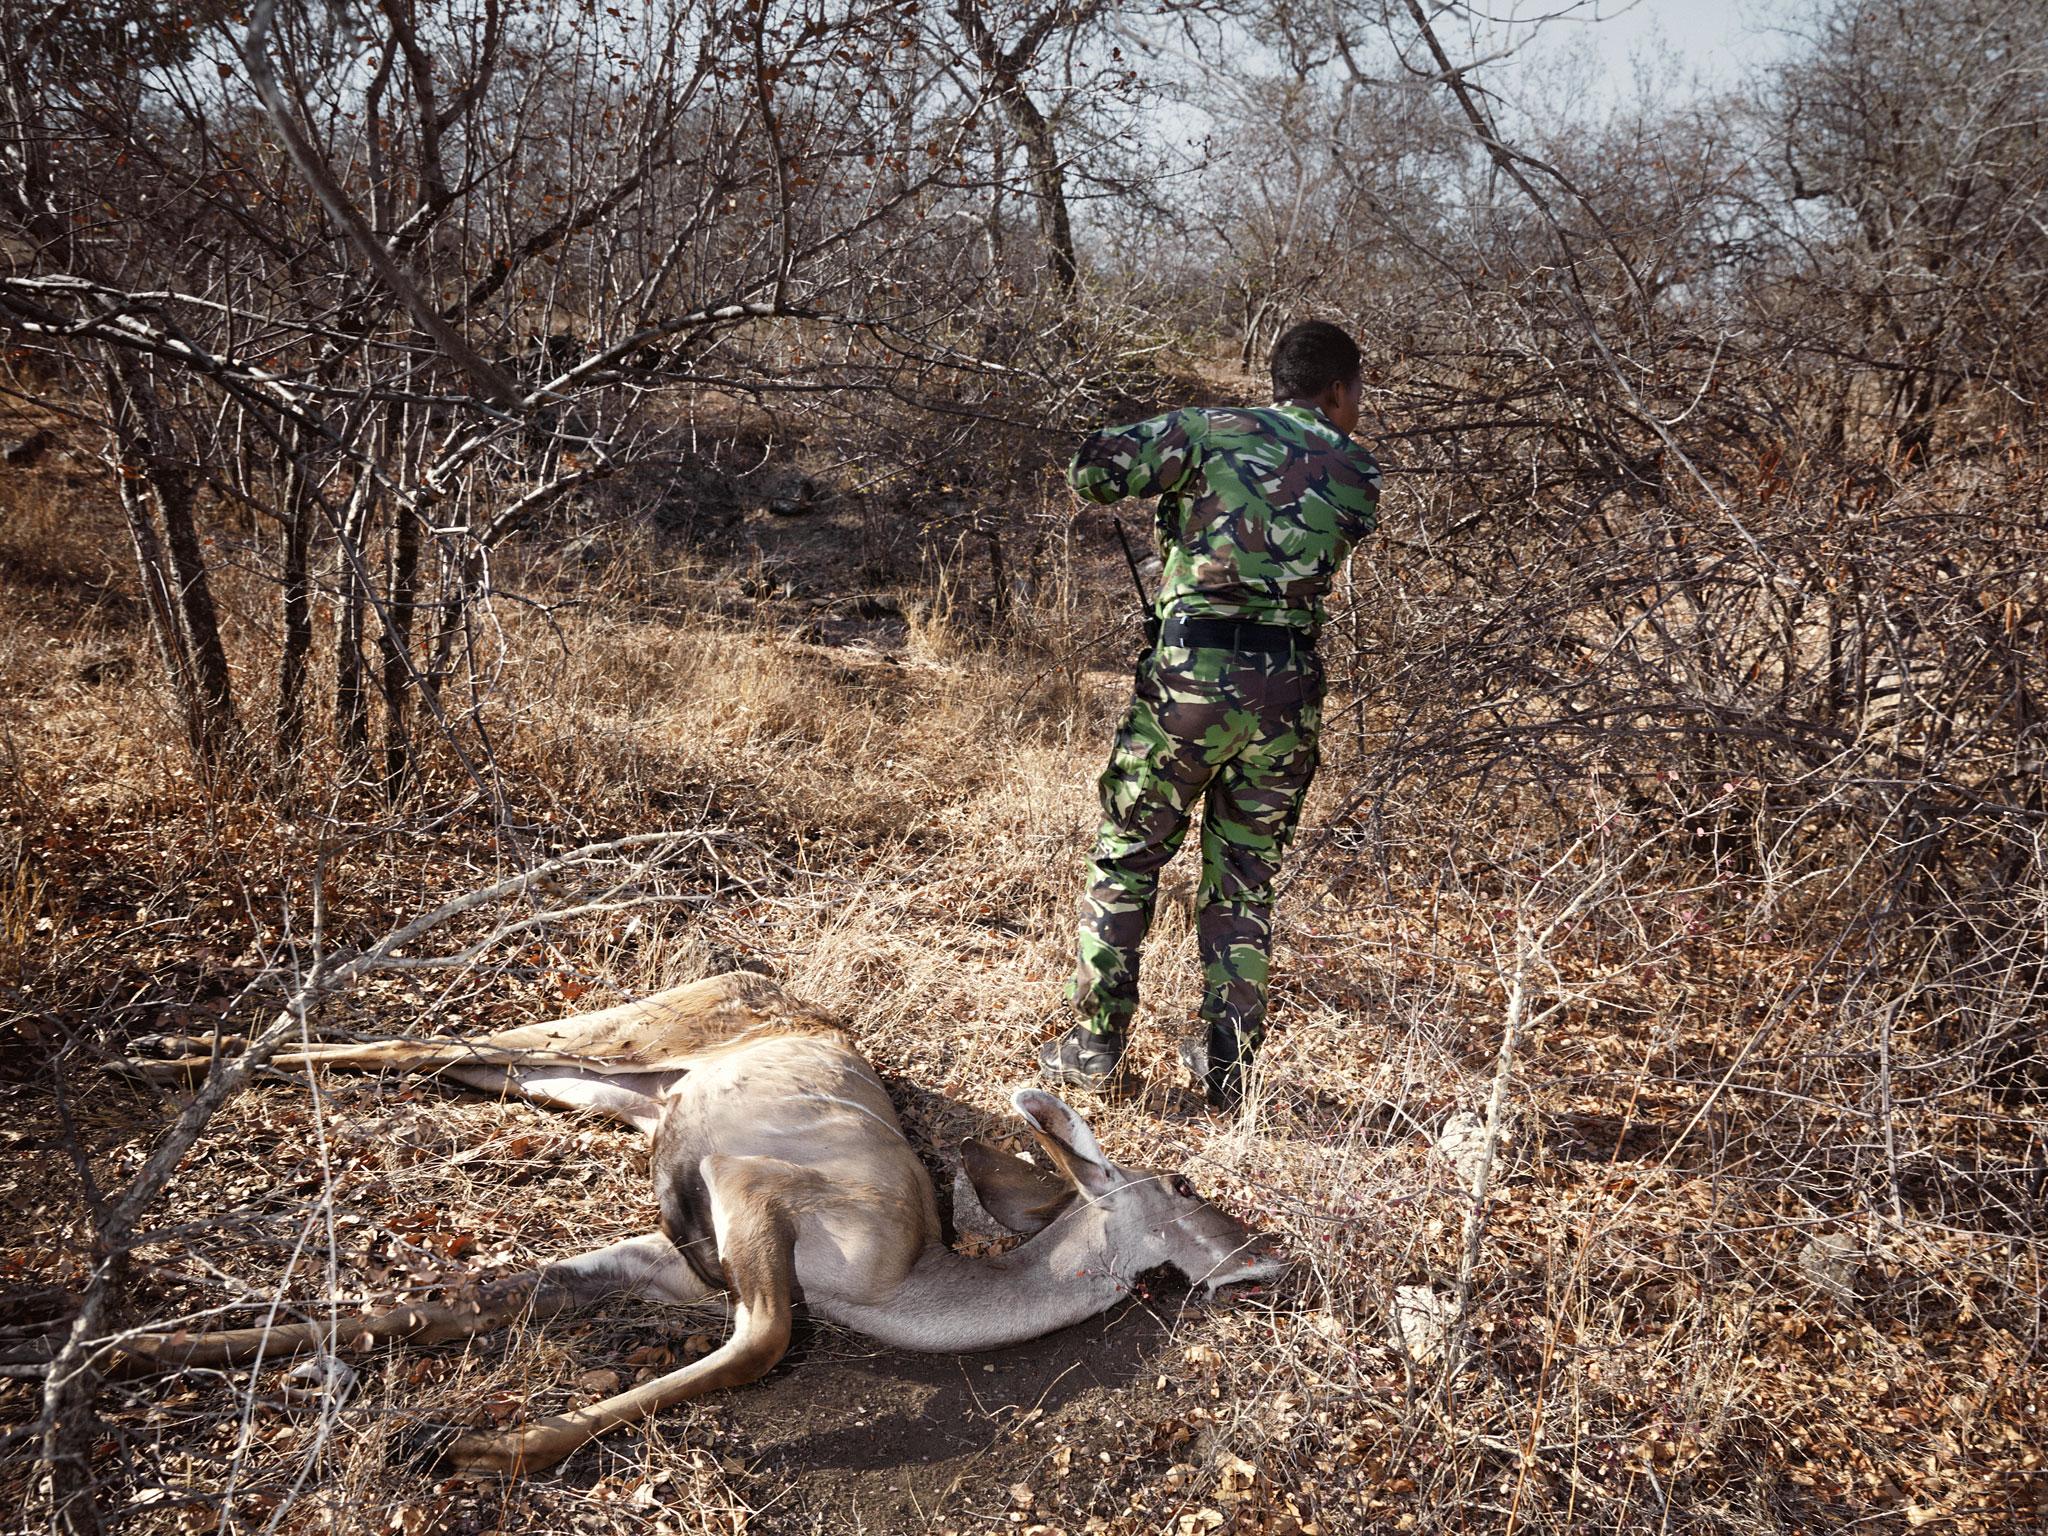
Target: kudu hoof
424, 1448
158, 1072
482, 1452
440, 1449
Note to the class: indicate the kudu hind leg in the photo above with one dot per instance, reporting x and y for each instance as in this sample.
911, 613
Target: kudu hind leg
756, 1229
660, 1032
641, 1266
366, 1056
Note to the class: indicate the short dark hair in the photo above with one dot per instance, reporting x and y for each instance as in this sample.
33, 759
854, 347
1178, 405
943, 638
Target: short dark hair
1310, 357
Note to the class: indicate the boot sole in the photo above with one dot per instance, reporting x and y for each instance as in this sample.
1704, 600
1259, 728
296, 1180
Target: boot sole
1071, 1077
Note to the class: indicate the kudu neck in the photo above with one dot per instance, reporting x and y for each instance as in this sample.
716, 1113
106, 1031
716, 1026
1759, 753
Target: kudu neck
1064, 1275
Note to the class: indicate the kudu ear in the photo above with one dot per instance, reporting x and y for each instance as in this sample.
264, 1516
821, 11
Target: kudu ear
1022, 1196
1066, 1139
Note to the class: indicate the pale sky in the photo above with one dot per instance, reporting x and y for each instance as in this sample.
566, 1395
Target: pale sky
1590, 56
1715, 42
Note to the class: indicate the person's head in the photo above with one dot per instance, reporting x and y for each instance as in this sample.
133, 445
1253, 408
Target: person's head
1316, 363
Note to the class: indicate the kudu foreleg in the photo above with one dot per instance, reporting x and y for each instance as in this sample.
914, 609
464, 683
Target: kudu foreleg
643, 1266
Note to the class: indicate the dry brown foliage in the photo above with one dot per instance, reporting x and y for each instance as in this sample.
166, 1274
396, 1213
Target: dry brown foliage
1699, 1303
1657, 1099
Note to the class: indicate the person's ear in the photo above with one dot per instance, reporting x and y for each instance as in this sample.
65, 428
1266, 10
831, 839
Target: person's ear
1349, 402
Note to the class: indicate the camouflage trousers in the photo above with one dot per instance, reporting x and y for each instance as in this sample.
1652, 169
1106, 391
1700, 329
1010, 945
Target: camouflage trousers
1237, 731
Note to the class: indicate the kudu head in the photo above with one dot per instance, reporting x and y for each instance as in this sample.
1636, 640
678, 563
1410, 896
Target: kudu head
1142, 1218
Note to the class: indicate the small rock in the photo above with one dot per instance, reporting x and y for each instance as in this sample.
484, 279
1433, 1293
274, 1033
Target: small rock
1462, 1143
589, 548
598, 1383
108, 667
1834, 1263
869, 605
24, 451
792, 495
1420, 1322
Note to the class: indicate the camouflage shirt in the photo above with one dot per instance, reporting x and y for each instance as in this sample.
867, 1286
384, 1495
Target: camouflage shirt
1257, 507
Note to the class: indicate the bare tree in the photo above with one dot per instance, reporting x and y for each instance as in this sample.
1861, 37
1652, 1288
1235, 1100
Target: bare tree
395, 286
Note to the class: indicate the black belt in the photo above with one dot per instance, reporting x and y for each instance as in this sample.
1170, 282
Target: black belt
1236, 635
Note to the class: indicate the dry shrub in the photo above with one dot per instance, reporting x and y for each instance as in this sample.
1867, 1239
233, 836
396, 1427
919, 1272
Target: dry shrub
1692, 1304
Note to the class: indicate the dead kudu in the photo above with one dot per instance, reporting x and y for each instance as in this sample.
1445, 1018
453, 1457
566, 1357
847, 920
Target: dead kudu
782, 1174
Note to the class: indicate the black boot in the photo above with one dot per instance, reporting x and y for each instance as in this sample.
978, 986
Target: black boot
1219, 1064
1081, 1058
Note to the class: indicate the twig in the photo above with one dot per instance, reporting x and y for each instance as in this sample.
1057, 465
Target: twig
1529, 952
1889, 1017
491, 381
65, 1427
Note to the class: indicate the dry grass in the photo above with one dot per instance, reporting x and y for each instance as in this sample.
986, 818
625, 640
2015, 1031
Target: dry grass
1655, 1345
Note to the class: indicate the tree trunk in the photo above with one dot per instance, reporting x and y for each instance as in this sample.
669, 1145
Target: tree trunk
461, 571
72, 1426
297, 615
156, 597
1034, 131
176, 588
1258, 310
1048, 185
400, 600
174, 496
351, 699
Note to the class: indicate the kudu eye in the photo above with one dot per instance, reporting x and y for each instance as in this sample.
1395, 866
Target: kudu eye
1183, 1188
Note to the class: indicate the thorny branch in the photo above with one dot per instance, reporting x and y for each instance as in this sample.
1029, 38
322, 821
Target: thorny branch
73, 1374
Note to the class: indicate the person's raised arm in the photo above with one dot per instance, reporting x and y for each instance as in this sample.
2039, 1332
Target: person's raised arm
1357, 497
1144, 460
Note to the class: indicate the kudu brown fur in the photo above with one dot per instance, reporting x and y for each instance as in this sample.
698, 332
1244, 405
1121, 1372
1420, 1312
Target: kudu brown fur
781, 1174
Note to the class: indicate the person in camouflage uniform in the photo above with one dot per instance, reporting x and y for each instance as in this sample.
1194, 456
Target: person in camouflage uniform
1258, 509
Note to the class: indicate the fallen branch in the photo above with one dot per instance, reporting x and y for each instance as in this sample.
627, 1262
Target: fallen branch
1529, 952
65, 1430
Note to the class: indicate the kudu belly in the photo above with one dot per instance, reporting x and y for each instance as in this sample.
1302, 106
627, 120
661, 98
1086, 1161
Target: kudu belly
805, 1122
